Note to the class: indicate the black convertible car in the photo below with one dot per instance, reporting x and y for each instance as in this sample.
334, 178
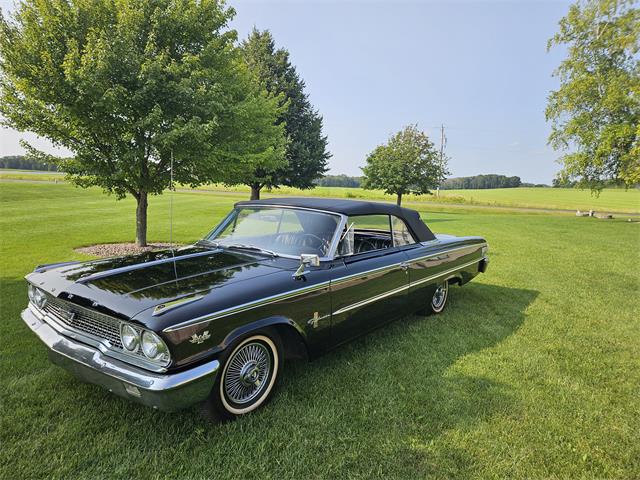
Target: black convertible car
214, 322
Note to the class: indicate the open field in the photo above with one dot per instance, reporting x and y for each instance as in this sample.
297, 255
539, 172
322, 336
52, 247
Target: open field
531, 372
610, 200
14, 174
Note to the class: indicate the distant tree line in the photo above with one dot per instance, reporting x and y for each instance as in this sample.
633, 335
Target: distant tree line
21, 162
339, 181
480, 182
564, 182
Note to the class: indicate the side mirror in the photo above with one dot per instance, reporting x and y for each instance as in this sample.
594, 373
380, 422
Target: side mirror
306, 259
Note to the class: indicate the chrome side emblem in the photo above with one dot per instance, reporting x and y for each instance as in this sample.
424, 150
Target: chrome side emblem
314, 321
195, 338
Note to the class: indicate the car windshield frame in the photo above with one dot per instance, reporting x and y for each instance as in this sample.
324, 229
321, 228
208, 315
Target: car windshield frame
331, 251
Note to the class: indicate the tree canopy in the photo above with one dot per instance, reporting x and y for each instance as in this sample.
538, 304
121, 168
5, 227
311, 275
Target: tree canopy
131, 86
595, 113
408, 163
306, 150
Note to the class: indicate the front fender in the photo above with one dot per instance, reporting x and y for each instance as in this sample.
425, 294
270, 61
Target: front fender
273, 321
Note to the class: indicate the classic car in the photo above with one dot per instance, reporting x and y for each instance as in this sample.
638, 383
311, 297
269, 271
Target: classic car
213, 322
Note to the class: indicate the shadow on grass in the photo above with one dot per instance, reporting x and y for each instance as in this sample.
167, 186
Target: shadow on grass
381, 405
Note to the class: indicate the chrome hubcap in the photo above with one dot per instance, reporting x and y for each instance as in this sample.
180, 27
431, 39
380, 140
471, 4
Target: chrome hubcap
440, 295
247, 373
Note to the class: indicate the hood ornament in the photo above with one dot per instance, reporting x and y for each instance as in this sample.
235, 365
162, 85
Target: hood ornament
198, 339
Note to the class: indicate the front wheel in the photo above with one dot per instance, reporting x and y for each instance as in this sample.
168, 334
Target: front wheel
439, 299
248, 375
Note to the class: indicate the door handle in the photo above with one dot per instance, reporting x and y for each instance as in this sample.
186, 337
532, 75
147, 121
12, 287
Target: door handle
404, 266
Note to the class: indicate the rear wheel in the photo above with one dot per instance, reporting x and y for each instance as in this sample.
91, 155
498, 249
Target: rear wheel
440, 296
248, 376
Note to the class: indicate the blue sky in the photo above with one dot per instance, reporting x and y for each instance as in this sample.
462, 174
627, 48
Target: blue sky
479, 68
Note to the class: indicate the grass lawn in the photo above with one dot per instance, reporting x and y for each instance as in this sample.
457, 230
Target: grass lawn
610, 200
532, 371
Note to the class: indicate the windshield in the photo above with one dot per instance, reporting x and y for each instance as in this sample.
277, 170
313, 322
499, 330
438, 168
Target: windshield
281, 231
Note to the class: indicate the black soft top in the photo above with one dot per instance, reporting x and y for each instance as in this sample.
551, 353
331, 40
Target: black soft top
351, 207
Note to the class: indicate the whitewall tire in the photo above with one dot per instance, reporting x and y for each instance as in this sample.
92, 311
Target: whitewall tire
250, 369
440, 296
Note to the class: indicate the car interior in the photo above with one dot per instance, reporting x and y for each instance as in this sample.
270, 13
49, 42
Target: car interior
368, 240
362, 234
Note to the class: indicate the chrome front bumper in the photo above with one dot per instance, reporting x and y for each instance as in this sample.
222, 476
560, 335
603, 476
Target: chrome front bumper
168, 392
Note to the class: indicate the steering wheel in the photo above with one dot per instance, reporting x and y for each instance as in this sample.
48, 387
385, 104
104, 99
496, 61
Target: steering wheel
365, 243
316, 241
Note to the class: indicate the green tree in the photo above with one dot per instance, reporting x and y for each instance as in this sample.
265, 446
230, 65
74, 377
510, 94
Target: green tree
306, 155
408, 163
130, 85
595, 113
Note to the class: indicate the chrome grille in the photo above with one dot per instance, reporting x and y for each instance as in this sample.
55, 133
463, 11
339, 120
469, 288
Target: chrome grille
84, 320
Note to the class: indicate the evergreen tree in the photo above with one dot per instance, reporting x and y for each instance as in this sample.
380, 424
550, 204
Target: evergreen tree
306, 152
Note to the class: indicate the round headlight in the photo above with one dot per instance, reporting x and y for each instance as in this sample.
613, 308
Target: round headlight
153, 346
37, 296
129, 337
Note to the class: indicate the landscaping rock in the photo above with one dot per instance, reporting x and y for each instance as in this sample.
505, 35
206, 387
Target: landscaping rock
120, 249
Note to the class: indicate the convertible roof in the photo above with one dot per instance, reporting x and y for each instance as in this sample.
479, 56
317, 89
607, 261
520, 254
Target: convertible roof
352, 207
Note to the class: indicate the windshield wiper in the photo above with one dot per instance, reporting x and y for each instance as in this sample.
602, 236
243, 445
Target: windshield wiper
240, 246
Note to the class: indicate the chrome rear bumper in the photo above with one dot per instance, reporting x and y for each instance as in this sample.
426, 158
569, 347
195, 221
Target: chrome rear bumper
167, 392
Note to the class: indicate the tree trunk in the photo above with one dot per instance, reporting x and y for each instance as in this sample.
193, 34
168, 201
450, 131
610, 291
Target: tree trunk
141, 219
399, 201
255, 191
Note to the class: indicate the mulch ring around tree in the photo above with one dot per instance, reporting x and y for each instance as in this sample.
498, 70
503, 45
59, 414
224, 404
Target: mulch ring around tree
120, 249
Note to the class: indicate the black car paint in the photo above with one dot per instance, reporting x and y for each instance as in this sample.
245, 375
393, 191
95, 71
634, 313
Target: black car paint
243, 290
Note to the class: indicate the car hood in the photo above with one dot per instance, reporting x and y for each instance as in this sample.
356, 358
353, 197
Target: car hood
124, 286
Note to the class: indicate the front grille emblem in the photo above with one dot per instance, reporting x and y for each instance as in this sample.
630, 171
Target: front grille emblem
70, 315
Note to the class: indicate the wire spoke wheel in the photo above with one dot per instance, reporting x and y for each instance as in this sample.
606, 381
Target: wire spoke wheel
247, 374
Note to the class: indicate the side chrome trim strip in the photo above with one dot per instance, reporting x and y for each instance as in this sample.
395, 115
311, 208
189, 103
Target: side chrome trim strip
301, 291
247, 306
446, 272
362, 303
419, 259
375, 298
340, 280
399, 265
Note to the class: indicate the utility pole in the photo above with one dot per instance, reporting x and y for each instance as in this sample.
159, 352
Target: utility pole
442, 142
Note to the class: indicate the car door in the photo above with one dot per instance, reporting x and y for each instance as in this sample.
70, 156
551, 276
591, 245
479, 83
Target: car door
421, 267
368, 285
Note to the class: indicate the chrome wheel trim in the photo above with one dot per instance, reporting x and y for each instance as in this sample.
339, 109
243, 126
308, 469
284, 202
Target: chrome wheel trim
440, 297
247, 373
246, 383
